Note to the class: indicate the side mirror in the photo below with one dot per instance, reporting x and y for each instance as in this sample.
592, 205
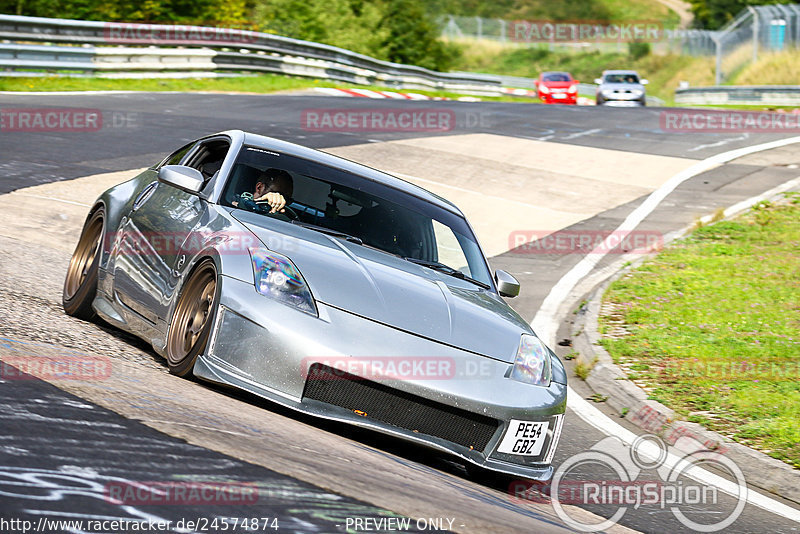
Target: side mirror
536, 82
643, 82
184, 178
507, 285
598, 81
576, 81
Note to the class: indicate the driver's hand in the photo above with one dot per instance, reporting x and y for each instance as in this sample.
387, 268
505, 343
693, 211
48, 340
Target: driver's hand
275, 201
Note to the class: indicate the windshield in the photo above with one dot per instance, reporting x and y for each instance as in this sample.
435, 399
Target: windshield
557, 77
362, 211
621, 78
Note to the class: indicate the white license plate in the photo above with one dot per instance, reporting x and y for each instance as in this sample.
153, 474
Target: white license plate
559, 95
525, 438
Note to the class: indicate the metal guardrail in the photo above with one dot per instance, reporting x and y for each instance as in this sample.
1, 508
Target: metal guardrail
233, 50
772, 95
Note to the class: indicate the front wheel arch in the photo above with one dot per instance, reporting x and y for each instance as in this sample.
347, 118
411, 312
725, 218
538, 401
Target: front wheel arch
80, 283
193, 317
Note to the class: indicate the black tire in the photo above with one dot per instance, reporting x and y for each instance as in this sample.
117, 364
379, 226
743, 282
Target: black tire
80, 284
191, 322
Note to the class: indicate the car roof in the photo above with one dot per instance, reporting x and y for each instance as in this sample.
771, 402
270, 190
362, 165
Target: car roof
292, 149
620, 72
557, 72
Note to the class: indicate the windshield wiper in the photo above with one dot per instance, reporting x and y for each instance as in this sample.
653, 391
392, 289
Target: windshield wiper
329, 231
446, 269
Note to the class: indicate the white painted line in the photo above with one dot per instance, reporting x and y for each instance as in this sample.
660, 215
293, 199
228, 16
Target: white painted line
745, 204
53, 198
581, 134
720, 143
545, 322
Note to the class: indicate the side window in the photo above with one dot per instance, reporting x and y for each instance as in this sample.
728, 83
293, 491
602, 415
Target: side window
209, 156
176, 157
449, 249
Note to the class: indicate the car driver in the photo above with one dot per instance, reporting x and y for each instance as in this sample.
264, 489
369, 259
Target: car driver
272, 190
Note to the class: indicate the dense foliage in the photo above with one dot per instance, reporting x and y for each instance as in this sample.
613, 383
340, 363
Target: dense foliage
395, 30
713, 14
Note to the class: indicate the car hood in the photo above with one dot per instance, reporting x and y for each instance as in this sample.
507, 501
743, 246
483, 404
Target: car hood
622, 87
394, 292
558, 85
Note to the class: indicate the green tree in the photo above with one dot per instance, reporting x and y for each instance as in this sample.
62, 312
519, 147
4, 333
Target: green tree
350, 24
713, 14
413, 37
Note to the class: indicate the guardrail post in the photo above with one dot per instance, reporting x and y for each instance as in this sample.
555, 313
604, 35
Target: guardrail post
718, 66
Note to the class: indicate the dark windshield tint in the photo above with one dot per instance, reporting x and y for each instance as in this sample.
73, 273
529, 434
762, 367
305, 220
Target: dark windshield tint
380, 216
557, 77
621, 78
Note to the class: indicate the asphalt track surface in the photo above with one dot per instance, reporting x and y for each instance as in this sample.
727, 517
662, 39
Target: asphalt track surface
53, 442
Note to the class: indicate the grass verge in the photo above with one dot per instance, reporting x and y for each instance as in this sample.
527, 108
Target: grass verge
260, 84
714, 322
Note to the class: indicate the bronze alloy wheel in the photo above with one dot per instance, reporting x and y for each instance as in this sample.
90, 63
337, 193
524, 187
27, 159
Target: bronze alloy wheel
191, 323
80, 285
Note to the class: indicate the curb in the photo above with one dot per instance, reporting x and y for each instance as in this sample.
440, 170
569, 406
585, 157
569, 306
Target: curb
369, 93
609, 380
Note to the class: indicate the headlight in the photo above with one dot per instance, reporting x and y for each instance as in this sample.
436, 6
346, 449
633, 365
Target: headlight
573, 89
277, 277
637, 92
532, 364
543, 89
607, 92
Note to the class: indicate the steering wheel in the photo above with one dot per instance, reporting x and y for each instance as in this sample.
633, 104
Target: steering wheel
289, 213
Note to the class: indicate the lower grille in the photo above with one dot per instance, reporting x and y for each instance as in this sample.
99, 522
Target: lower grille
398, 408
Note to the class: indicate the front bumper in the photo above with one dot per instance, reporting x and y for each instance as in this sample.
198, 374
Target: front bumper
621, 100
568, 98
268, 348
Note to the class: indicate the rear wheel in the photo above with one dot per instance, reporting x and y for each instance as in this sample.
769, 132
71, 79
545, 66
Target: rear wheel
191, 323
80, 285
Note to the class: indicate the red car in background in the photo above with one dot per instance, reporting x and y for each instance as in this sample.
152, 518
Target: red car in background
557, 88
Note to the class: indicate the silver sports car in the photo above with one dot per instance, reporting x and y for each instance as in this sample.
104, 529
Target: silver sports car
325, 286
